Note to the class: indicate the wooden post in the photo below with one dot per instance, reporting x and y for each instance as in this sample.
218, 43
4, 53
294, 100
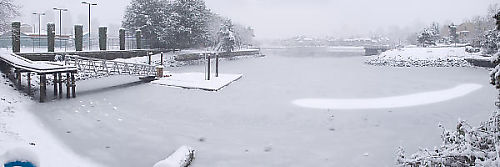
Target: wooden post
78, 37
16, 37
216, 64
208, 67
43, 88
149, 58
55, 84
60, 84
51, 33
29, 82
161, 54
103, 37
138, 38
122, 38
68, 85
73, 84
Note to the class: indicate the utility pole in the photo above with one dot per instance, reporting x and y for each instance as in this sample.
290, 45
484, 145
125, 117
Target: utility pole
90, 4
60, 24
39, 27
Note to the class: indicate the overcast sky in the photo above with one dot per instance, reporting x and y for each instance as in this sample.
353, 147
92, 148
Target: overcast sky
286, 18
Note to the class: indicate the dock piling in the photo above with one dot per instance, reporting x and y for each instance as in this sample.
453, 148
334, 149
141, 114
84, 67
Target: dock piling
43, 88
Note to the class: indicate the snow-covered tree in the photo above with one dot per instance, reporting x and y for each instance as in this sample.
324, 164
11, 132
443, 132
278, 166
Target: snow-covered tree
428, 37
8, 10
227, 39
186, 24
147, 16
490, 42
453, 33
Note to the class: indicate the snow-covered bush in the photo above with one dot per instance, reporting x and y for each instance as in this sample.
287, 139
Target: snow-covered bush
490, 42
464, 146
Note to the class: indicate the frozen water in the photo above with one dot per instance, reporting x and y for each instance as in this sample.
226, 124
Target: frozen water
253, 123
390, 102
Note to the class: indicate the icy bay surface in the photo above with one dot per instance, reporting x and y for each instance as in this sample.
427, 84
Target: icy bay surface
121, 122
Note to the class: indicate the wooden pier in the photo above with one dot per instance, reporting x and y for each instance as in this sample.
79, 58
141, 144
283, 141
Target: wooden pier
42, 69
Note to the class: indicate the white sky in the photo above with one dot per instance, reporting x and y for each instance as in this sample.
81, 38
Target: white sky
286, 18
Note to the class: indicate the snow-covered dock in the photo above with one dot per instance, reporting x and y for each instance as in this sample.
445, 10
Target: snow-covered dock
197, 81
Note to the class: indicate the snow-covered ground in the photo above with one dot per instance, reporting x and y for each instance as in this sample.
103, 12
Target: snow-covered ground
423, 57
23, 137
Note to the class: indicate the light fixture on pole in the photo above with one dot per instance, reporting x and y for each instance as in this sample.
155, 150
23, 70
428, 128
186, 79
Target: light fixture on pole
60, 23
90, 4
39, 26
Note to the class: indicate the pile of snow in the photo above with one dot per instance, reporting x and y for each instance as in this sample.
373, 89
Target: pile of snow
182, 157
422, 57
198, 81
390, 102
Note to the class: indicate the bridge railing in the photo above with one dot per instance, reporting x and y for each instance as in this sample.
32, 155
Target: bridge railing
109, 67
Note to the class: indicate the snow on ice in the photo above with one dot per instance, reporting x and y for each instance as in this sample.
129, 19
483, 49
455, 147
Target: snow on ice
390, 102
197, 81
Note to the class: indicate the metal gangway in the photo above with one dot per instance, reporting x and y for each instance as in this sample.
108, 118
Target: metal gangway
109, 67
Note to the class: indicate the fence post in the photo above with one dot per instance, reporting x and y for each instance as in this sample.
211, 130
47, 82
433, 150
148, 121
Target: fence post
122, 39
51, 33
102, 37
138, 38
16, 37
78, 37
161, 63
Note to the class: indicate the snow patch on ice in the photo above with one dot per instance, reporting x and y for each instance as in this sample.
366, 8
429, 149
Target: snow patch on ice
182, 157
197, 81
390, 102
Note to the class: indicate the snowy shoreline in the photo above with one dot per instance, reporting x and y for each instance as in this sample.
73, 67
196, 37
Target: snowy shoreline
423, 57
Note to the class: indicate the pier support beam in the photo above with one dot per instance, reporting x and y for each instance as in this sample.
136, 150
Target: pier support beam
29, 82
73, 84
18, 78
68, 86
55, 84
43, 87
60, 85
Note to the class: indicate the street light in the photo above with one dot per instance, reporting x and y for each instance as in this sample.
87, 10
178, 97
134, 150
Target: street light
60, 24
90, 4
39, 26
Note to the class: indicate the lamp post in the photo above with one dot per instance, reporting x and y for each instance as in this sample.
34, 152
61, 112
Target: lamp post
39, 26
90, 4
60, 24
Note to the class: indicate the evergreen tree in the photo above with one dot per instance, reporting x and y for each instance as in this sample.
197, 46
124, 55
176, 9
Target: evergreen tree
453, 33
227, 40
8, 10
147, 16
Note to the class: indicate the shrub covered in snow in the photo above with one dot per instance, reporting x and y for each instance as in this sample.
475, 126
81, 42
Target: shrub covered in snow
464, 146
